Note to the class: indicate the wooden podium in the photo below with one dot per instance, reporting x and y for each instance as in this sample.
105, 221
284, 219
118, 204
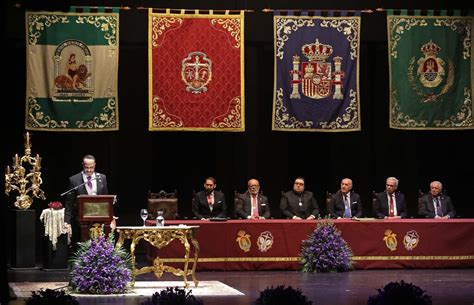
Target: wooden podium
97, 209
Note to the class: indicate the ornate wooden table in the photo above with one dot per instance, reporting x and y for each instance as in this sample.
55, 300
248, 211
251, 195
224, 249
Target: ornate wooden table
160, 237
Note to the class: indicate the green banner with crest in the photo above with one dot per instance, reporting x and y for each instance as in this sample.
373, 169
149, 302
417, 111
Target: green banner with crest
72, 67
431, 72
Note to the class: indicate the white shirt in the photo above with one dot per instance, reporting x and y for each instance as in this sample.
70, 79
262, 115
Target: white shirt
394, 204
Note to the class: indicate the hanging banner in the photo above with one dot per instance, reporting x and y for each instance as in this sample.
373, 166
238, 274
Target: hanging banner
316, 73
72, 65
431, 70
196, 72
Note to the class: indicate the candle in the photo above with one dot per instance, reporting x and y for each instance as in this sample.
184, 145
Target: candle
17, 163
8, 170
27, 139
38, 161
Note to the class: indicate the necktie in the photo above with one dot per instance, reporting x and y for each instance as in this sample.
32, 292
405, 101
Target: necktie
89, 182
438, 207
254, 206
347, 205
209, 201
391, 212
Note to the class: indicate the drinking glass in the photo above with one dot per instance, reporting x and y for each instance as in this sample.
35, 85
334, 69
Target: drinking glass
144, 215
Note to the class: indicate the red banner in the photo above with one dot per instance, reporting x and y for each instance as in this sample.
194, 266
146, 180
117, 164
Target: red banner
196, 72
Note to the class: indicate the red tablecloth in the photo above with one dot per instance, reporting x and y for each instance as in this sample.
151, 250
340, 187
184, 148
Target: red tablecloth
275, 244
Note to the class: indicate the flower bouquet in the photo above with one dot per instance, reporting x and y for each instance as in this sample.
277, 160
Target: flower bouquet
51, 297
98, 267
325, 250
395, 293
173, 296
282, 295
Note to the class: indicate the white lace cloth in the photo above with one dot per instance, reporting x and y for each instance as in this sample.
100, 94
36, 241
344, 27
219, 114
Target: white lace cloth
53, 221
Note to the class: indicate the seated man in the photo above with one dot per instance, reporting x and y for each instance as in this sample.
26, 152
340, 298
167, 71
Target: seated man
209, 203
298, 203
435, 204
345, 203
390, 204
253, 205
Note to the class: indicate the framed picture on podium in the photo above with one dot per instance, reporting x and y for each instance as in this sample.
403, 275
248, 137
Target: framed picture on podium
97, 208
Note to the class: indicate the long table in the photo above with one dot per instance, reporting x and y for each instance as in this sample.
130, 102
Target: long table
275, 244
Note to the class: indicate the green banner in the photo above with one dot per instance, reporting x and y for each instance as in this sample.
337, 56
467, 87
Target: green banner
431, 72
72, 66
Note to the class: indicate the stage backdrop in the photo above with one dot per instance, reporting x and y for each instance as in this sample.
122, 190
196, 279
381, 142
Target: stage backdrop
72, 65
196, 71
431, 70
316, 73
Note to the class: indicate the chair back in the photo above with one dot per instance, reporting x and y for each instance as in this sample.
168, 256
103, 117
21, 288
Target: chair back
328, 200
238, 199
163, 201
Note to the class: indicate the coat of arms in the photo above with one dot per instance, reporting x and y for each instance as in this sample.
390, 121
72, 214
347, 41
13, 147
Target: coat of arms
430, 68
72, 72
316, 76
390, 239
196, 72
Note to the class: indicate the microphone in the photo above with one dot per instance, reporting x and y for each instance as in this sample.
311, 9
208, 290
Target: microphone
95, 177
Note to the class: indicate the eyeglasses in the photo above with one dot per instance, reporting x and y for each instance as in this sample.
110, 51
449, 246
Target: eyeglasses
391, 185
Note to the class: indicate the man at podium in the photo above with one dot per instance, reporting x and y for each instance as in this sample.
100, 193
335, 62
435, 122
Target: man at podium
87, 182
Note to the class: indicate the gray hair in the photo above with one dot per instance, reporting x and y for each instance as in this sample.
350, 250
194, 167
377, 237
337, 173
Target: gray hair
395, 180
437, 182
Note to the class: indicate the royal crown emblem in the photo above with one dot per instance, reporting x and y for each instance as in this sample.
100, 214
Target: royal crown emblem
316, 76
243, 240
430, 68
390, 239
196, 72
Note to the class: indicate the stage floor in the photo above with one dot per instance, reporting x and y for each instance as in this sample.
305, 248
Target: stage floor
446, 286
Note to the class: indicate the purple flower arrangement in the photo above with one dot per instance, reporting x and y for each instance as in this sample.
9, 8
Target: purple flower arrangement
51, 297
400, 293
100, 268
173, 296
282, 295
325, 250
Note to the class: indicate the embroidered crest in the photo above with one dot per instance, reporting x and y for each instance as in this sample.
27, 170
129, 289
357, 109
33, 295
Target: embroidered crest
244, 241
411, 240
316, 76
430, 68
72, 72
390, 240
265, 241
196, 72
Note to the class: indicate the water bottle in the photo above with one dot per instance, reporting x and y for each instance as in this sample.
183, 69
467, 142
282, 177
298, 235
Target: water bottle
160, 220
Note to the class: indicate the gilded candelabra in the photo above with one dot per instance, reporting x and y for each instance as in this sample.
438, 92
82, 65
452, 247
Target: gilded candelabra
27, 184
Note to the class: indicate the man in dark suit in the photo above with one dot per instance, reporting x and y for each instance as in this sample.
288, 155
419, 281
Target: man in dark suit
436, 204
253, 205
345, 203
87, 182
209, 203
390, 204
299, 203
